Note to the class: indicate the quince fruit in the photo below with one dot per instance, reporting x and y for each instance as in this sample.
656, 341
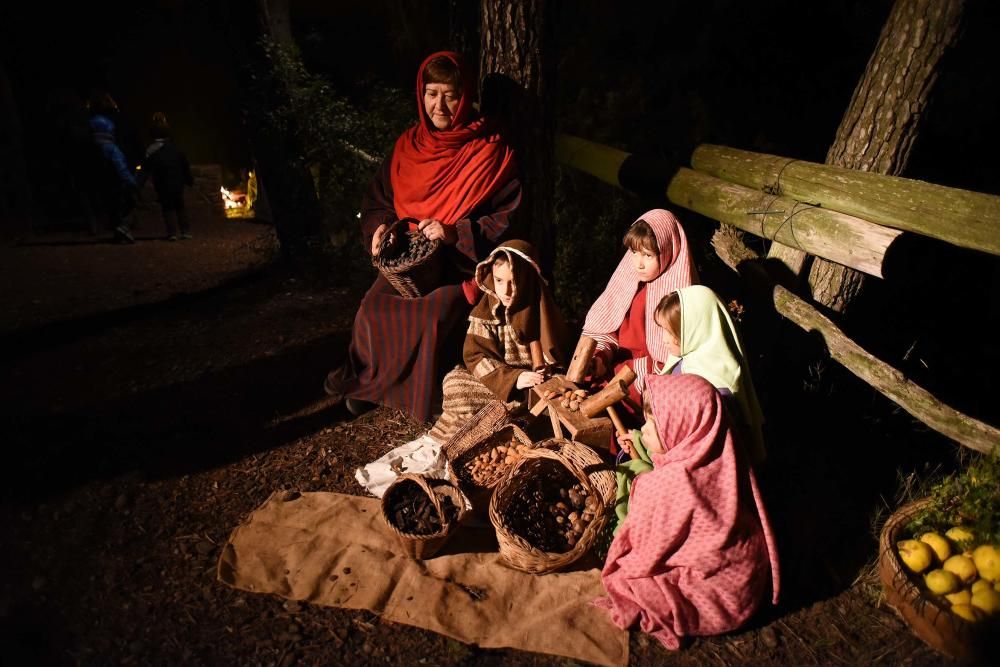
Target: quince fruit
987, 560
942, 582
939, 544
959, 534
968, 612
963, 566
916, 555
988, 600
981, 584
959, 597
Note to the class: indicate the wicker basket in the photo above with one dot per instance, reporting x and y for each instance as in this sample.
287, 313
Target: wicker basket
462, 460
929, 618
601, 474
410, 278
425, 546
490, 418
516, 550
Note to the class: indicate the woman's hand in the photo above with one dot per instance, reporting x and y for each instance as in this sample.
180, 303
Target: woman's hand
529, 379
377, 238
625, 442
435, 229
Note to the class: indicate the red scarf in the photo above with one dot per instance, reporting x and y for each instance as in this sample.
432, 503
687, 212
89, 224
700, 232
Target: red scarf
444, 174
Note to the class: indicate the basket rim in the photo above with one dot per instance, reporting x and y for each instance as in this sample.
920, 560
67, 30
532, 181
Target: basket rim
516, 550
460, 461
424, 483
377, 260
460, 442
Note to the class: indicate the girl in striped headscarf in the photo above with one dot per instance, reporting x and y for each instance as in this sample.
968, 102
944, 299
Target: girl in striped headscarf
656, 263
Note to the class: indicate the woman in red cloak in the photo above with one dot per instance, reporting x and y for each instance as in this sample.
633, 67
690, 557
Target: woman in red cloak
454, 173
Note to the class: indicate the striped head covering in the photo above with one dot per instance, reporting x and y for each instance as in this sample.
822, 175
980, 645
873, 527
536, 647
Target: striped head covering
677, 271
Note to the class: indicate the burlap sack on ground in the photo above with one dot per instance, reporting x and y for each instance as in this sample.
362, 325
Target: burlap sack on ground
333, 549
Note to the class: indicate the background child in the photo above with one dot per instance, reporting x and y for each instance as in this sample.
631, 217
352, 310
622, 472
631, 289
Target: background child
696, 327
170, 171
656, 263
695, 556
515, 309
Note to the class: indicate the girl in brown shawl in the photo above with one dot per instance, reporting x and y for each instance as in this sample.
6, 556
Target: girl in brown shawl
516, 309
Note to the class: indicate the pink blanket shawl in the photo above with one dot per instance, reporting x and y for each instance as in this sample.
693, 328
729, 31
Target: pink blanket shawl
696, 554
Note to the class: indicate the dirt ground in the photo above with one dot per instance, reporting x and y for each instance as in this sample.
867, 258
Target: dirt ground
155, 394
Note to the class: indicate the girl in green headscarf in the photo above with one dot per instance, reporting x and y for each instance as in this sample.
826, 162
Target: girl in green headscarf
703, 340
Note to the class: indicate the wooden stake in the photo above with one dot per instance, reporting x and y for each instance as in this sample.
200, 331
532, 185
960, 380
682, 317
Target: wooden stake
581, 358
616, 420
556, 425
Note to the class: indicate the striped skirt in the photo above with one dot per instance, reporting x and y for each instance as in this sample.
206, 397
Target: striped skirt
400, 347
464, 396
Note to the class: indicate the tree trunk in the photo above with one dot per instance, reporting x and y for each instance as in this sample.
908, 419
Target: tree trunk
463, 29
298, 217
517, 69
15, 190
881, 124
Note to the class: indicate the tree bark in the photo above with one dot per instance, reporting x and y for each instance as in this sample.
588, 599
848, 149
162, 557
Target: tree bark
297, 215
881, 124
960, 217
517, 68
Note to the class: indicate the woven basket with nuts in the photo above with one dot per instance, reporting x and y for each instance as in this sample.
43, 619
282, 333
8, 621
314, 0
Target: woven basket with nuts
550, 508
422, 512
409, 260
484, 463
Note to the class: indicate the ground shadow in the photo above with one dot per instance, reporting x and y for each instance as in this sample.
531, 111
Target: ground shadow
176, 429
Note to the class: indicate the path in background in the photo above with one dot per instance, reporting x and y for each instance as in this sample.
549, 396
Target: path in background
66, 275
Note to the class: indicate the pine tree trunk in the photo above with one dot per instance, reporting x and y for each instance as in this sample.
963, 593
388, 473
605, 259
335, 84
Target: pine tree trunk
517, 68
882, 121
463, 29
295, 207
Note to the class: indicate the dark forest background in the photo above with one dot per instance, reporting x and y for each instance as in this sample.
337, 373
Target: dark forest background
771, 76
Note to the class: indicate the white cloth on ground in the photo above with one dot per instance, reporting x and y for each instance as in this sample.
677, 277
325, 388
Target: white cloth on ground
422, 456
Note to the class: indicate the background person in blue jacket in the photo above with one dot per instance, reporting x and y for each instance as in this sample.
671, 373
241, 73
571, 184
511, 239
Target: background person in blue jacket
115, 188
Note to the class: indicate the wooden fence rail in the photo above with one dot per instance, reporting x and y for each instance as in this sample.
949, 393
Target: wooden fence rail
960, 217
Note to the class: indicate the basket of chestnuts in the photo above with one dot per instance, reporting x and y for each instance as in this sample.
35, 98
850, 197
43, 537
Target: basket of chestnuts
551, 507
422, 512
409, 260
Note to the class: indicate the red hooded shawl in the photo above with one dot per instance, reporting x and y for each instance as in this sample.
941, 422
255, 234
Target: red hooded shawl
696, 554
444, 174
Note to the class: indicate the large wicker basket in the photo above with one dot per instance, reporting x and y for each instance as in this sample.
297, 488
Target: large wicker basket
929, 618
577, 459
411, 278
462, 461
424, 546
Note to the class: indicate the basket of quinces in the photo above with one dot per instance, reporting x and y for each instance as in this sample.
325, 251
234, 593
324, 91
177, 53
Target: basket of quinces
939, 563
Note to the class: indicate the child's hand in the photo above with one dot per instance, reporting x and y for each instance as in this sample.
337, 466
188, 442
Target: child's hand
529, 379
597, 367
377, 238
625, 442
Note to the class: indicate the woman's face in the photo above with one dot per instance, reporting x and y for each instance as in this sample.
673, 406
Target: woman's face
646, 263
441, 103
650, 438
503, 283
670, 339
